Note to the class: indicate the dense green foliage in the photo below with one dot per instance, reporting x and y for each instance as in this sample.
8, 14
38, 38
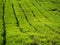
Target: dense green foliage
29, 22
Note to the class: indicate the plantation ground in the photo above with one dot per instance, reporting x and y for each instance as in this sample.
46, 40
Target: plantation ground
29, 22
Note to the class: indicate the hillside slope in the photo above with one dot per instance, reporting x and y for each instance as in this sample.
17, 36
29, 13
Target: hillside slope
29, 22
